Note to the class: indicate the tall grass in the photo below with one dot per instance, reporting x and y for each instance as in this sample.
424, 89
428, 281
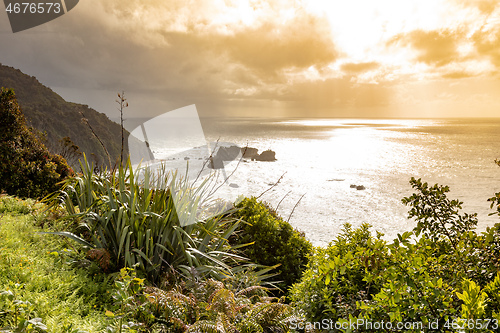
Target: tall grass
33, 269
147, 219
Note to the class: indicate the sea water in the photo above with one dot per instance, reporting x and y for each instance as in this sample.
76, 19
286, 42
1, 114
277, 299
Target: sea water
320, 159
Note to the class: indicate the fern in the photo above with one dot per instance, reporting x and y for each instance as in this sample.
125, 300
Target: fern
205, 326
272, 315
212, 306
252, 290
222, 301
249, 325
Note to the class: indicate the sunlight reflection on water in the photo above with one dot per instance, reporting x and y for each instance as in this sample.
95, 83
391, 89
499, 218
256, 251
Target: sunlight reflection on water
322, 158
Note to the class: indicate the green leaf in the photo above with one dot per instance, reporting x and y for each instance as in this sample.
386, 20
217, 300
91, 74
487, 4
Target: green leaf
71, 236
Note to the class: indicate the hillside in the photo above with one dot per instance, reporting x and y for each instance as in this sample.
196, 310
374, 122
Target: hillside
50, 113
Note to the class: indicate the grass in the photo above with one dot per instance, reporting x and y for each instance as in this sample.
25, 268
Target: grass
39, 283
67, 299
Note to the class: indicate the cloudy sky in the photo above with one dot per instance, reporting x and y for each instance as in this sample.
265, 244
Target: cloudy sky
302, 58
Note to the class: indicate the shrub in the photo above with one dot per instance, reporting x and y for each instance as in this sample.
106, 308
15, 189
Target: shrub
27, 168
340, 275
16, 206
274, 241
442, 272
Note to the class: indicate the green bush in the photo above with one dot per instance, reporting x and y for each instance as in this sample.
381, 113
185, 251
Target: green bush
442, 272
340, 275
274, 241
16, 206
27, 168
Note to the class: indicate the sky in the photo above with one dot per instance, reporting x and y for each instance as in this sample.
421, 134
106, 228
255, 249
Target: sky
296, 58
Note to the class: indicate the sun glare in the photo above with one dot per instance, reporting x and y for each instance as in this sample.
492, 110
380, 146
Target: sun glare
362, 28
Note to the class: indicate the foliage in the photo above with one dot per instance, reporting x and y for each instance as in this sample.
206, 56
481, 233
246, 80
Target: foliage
442, 273
341, 274
16, 206
37, 282
27, 168
412, 291
50, 113
273, 241
17, 313
129, 300
451, 235
133, 222
437, 216
200, 306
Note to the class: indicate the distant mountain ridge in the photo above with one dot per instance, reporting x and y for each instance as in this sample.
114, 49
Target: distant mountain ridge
48, 112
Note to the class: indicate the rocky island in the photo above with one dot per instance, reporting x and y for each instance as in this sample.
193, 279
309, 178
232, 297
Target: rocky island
253, 154
233, 152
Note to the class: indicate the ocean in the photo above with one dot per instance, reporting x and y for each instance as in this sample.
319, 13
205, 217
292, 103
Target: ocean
319, 159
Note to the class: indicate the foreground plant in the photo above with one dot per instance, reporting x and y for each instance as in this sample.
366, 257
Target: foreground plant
36, 281
274, 241
129, 301
197, 305
133, 218
20, 315
442, 275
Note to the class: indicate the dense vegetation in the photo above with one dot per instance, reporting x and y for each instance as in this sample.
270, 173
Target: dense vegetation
275, 242
27, 168
199, 306
191, 279
136, 257
126, 222
49, 113
37, 280
442, 274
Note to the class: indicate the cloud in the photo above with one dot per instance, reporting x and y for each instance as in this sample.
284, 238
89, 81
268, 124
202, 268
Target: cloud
485, 6
231, 55
336, 93
435, 47
271, 47
178, 50
457, 75
356, 68
487, 44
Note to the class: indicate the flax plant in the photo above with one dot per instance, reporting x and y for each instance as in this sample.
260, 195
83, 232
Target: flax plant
148, 219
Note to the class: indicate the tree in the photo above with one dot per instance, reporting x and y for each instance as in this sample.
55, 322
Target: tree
27, 168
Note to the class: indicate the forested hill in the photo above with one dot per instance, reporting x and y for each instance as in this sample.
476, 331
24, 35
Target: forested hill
48, 112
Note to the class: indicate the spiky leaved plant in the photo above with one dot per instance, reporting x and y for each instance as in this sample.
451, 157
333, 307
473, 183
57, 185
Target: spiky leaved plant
139, 218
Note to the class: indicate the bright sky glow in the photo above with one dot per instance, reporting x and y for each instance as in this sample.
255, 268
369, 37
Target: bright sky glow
359, 58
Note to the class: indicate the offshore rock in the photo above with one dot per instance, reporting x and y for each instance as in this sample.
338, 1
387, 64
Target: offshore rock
267, 156
251, 153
